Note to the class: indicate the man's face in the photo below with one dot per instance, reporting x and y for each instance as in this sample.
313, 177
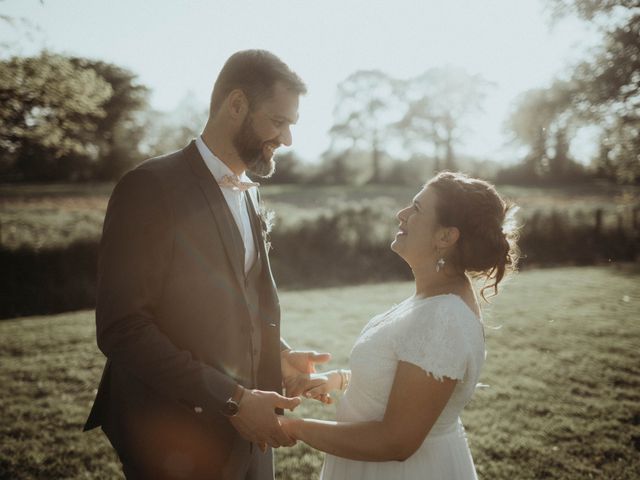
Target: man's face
266, 128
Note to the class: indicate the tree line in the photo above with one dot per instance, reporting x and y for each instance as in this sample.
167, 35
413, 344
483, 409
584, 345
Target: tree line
426, 114
68, 118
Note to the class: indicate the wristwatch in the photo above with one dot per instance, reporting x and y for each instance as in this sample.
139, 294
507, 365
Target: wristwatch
232, 406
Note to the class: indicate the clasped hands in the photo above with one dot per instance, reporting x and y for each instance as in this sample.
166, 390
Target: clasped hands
299, 375
256, 420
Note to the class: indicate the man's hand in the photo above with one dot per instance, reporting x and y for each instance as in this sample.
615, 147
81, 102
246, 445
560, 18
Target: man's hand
297, 367
257, 421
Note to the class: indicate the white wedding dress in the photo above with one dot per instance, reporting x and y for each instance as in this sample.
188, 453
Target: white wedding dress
444, 337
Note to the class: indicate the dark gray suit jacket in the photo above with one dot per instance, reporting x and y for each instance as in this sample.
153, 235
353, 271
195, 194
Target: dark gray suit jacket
172, 318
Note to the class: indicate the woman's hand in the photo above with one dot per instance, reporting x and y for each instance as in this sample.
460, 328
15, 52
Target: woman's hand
322, 384
291, 426
297, 367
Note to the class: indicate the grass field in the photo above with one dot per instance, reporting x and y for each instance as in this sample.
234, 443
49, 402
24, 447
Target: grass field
563, 376
55, 215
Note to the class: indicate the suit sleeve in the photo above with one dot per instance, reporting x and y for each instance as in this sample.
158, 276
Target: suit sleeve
135, 252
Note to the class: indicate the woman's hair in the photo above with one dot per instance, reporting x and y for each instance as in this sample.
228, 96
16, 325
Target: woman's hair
487, 247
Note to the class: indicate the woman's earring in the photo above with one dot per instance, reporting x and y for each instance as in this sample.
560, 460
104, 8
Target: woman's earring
440, 264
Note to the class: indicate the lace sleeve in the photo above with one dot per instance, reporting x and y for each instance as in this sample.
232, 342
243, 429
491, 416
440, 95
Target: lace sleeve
432, 338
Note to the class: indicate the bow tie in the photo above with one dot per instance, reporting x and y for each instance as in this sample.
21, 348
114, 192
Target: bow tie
234, 183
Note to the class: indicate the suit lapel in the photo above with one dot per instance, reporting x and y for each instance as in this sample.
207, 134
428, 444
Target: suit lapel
219, 209
256, 226
274, 318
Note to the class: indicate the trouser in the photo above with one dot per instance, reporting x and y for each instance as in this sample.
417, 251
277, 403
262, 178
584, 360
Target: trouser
261, 466
254, 466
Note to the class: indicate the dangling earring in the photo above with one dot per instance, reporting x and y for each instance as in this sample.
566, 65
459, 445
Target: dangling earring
440, 264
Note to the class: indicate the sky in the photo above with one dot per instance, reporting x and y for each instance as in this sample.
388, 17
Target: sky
177, 47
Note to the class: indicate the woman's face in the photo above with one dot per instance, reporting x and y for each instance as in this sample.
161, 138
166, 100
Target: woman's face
415, 241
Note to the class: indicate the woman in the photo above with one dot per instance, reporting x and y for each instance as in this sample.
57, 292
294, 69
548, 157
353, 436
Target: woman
415, 367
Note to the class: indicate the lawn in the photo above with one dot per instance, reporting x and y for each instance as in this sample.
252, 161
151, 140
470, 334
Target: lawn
562, 380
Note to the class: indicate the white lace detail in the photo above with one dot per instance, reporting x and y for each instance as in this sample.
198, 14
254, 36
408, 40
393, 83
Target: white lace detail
434, 340
439, 334
379, 321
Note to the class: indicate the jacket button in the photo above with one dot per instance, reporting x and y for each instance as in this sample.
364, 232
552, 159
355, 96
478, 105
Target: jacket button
197, 409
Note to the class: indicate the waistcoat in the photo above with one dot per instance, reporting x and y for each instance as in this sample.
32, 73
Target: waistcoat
252, 287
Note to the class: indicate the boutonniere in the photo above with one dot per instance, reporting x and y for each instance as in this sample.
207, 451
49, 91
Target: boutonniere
266, 217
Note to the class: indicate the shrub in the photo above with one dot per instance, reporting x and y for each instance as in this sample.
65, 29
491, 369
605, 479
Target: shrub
347, 244
48, 281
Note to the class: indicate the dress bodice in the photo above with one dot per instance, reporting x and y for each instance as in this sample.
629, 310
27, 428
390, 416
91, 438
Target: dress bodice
439, 334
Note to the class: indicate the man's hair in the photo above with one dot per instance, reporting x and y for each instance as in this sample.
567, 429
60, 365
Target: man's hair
255, 72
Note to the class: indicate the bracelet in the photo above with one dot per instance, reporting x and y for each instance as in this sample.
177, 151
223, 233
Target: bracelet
345, 377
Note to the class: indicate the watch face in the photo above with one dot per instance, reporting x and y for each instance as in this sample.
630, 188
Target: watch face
230, 408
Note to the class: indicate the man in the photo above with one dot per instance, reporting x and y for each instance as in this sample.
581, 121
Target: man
187, 312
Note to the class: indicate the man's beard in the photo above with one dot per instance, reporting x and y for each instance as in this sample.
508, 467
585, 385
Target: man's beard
250, 149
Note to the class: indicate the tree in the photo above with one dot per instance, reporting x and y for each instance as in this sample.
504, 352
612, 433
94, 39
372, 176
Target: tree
590, 9
374, 110
610, 95
436, 106
289, 169
542, 121
22, 28
366, 106
50, 110
170, 131
619, 154
119, 132
607, 87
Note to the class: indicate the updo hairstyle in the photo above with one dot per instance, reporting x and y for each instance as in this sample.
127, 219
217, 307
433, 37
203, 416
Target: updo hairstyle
487, 246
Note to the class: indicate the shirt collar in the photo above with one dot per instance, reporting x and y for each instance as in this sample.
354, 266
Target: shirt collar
216, 166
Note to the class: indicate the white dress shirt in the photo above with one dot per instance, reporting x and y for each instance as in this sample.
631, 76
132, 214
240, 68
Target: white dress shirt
235, 199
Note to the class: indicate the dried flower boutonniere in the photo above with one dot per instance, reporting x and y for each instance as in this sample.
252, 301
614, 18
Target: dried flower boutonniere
266, 218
